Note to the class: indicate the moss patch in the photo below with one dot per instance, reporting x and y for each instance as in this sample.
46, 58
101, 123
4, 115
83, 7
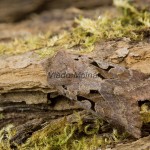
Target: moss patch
73, 136
145, 113
86, 32
60, 134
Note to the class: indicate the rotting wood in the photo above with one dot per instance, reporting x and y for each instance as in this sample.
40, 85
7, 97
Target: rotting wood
33, 126
136, 57
30, 97
22, 72
25, 74
28, 118
19, 112
141, 144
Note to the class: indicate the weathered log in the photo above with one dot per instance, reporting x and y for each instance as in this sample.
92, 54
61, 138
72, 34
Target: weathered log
24, 131
125, 53
23, 87
16, 72
140, 144
25, 75
29, 97
28, 118
22, 72
20, 112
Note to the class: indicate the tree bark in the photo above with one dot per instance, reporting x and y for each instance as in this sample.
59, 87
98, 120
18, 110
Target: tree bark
140, 144
23, 76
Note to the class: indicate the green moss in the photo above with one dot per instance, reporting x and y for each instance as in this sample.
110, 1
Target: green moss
89, 31
20, 45
80, 135
132, 15
1, 116
5, 135
145, 113
59, 135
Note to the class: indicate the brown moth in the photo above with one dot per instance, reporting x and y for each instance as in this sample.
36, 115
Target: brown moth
113, 91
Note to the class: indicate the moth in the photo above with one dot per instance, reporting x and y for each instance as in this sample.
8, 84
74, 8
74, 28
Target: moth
112, 90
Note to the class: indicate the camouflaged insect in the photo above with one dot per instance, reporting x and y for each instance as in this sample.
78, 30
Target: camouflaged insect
113, 91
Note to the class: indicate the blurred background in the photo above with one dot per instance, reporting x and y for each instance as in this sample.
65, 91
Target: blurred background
23, 18
14, 10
